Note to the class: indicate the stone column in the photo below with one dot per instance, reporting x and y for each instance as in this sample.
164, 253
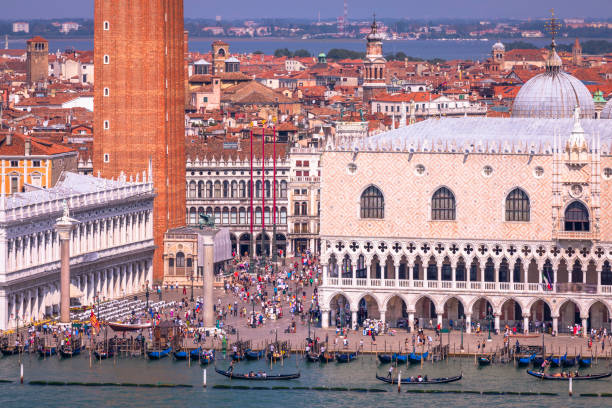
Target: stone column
397, 266
354, 319
411, 320
354, 269
440, 319
382, 316
324, 319
409, 268
584, 325
598, 279
325, 273
368, 272
468, 323
555, 324
63, 227
496, 315
454, 275
526, 323
208, 279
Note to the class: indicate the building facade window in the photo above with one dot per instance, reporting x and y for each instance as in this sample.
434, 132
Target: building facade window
443, 205
517, 206
576, 217
106, 26
106, 92
372, 203
106, 125
180, 260
106, 59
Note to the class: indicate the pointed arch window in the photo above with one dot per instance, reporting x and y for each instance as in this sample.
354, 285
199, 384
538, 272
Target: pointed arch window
443, 205
518, 207
372, 203
576, 217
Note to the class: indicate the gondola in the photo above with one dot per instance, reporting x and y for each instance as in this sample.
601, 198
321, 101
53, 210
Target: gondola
538, 361
345, 357
416, 358
556, 362
408, 380
180, 354
207, 357
400, 358
156, 355
238, 356
122, 327
12, 350
278, 356
195, 353
47, 351
568, 362
103, 354
385, 358
326, 357
525, 361
484, 360
69, 351
576, 378
257, 376
254, 355
584, 362
313, 357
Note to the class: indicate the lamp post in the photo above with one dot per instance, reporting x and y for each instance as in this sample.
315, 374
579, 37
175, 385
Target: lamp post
191, 287
147, 294
490, 319
253, 314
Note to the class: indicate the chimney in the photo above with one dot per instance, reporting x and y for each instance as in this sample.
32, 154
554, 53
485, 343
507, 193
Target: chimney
28, 146
9, 139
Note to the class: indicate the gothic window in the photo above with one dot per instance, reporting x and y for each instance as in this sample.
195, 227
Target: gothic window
200, 189
243, 189
576, 217
372, 203
304, 208
517, 206
267, 218
258, 215
296, 208
283, 215
443, 205
225, 189
180, 260
234, 189
242, 216
283, 189
192, 189
234, 216
192, 216
217, 216
225, 219
267, 186
258, 189
209, 189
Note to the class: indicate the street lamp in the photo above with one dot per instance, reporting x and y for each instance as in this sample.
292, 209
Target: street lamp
490, 319
147, 294
191, 286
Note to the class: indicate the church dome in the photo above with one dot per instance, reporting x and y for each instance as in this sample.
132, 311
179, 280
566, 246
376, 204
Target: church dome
498, 46
553, 94
606, 113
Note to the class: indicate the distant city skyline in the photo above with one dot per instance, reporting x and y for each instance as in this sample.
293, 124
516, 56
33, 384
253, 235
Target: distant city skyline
358, 9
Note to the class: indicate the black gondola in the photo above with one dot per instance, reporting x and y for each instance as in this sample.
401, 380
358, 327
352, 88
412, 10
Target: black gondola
345, 357
385, 358
238, 356
69, 351
569, 362
12, 350
584, 362
484, 360
257, 376
313, 357
254, 355
413, 380
103, 354
326, 357
575, 378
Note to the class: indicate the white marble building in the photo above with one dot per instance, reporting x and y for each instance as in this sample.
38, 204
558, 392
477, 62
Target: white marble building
111, 248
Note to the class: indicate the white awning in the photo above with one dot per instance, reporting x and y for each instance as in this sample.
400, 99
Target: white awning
75, 292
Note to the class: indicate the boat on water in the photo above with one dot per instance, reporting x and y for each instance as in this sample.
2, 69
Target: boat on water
278, 355
180, 354
423, 380
103, 354
47, 351
560, 377
584, 362
238, 356
313, 357
568, 362
345, 357
416, 358
254, 355
67, 351
385, 358
12, 350
556, 362
484, 360
116, 326
257, 376
525, 360
207, 357
326, 357
156, 355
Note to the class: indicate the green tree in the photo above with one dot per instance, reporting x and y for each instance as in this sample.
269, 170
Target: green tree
283, 52
341, 53
301, 53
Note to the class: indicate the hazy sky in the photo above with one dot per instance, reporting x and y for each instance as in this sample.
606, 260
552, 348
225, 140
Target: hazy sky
21, 9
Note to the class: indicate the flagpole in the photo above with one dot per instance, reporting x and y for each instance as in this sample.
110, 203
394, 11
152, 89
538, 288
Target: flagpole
263, 192
274, 249
251, 247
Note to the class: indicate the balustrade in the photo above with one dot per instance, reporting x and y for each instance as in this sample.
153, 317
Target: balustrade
333, 281
447, 285
432, 284
347, 282
390, 283
362, 282
403, 283
374, 282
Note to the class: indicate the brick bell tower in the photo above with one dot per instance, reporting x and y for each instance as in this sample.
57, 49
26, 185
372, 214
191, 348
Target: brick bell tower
139, 102
374, 65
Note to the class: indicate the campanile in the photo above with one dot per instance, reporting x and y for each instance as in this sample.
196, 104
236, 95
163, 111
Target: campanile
139, 102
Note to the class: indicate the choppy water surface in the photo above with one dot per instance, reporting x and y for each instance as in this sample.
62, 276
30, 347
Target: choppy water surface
359, 374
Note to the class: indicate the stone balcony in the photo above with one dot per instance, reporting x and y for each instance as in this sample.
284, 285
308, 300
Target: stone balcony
469, 286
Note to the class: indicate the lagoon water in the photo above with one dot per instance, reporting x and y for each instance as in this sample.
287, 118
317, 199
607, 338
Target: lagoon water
358, 374
426, 49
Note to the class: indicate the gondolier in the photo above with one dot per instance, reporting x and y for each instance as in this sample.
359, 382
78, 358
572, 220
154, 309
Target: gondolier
389, 375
